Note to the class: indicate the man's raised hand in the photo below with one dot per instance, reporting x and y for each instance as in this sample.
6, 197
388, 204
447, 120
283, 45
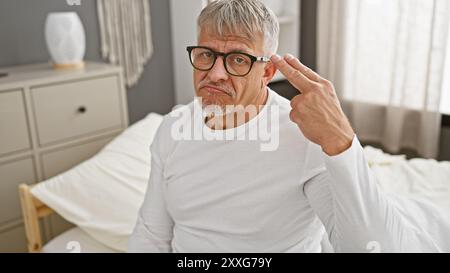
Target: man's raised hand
316, 110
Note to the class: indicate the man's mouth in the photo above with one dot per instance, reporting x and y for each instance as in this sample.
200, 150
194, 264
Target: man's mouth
215, 90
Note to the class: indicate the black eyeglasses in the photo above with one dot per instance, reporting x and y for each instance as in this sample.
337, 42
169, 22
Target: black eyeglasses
236, 63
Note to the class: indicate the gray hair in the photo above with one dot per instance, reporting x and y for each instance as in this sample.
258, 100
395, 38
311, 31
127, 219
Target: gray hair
247, 17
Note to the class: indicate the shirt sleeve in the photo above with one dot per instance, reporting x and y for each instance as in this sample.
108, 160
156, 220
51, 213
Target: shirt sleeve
154, 228
357, 216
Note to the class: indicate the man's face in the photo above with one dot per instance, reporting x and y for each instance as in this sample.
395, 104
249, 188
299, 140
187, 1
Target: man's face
217, 87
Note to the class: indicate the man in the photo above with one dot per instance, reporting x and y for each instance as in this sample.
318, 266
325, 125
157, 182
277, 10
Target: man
228, 195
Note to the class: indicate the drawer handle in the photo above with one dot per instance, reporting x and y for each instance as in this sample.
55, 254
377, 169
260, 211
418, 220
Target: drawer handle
82, 110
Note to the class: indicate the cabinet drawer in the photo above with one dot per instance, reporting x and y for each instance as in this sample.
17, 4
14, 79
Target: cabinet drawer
13, 123
73, 109
61, 160
12, 174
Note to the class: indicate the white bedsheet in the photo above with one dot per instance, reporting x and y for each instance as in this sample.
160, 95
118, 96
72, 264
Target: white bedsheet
421, 189
424, 179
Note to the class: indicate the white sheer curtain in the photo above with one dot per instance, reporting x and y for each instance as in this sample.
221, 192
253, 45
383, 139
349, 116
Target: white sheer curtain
125, 34
386, 59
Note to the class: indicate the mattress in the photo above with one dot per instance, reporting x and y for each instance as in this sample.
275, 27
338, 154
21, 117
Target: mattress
75, 240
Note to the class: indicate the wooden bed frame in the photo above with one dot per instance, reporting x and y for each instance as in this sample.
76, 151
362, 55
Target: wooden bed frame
33, 210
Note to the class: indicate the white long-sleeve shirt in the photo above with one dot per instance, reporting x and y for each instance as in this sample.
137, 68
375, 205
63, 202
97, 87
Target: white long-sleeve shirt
229, 196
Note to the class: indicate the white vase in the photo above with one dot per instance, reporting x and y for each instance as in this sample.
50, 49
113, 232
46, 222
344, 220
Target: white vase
275, 5
66, 39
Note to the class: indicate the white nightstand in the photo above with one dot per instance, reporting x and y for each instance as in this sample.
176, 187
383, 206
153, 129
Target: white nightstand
50, 121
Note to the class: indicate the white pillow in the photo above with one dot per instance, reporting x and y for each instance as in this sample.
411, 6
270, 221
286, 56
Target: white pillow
102, 195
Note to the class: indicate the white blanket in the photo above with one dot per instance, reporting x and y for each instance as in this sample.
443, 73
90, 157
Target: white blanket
421, 187
425, 179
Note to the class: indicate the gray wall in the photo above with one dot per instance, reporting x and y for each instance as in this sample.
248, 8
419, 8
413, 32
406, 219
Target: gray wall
444, 152
22, 41
308, 33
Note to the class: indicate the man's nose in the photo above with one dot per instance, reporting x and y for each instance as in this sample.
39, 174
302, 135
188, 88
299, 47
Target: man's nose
218, 71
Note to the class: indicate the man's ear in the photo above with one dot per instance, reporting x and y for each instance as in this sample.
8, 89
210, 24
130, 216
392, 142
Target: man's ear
269, 72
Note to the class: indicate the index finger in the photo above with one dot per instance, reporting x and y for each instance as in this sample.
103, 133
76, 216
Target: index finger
308, 72
294, 76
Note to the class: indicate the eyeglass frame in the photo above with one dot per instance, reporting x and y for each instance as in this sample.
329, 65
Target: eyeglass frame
253, 59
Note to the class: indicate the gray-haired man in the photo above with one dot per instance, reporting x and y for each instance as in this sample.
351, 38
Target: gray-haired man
229, 196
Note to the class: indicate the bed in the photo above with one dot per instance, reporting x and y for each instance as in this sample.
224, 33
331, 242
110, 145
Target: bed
102, 195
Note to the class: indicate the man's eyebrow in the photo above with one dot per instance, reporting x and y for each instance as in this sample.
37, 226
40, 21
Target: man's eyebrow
241, 49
